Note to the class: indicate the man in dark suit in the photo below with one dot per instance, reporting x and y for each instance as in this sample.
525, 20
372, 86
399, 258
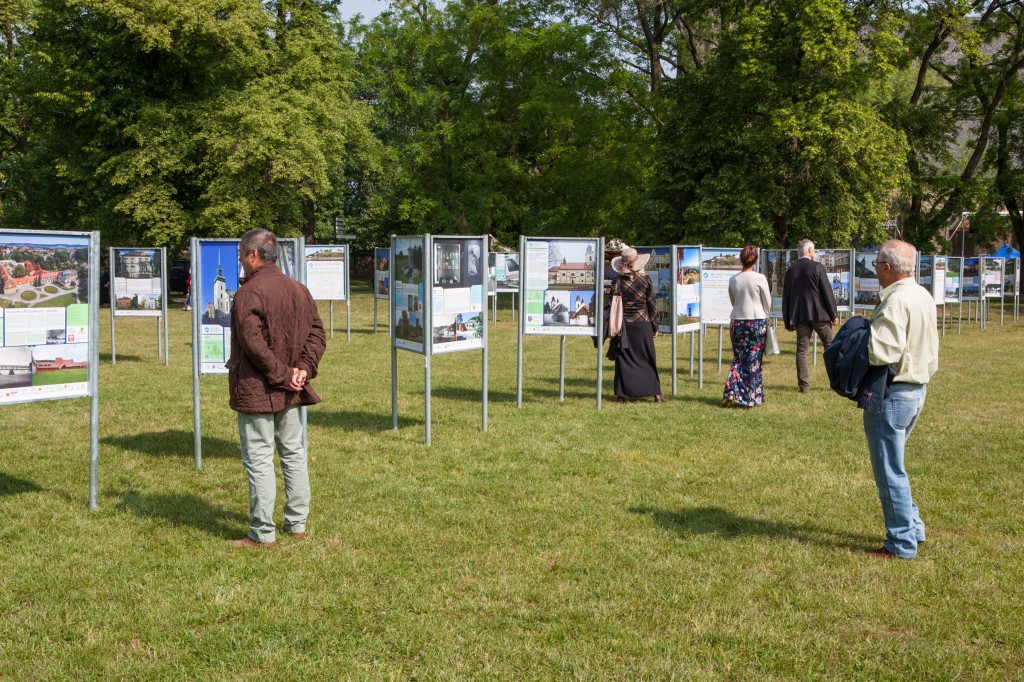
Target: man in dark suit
808, 305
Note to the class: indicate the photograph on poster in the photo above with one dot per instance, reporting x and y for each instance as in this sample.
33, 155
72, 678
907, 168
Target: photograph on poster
220, 273
285, 257
953, 267
837, 264
381, 276
60, 364
492, 274
687, 288
659, 269
325, 272
717, 268
571, 265
15, 367
866, 280
137, 282
448, 264
924, 272
508, 272
971, 279
556, 308
43, 271
406, 290
993, 277
1011, 278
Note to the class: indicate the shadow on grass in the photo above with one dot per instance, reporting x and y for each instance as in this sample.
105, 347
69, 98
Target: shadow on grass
713, 400
368, 422
184, 510
174, 443
11, 485
473, 395
121, 357
725, 524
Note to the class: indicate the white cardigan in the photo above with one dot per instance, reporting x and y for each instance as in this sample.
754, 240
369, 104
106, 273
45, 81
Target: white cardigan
749, 295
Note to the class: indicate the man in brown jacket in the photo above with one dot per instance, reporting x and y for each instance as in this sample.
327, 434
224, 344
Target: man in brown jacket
277, 340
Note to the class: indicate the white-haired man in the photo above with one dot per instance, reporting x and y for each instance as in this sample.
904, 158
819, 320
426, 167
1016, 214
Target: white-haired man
904, 337
808, 306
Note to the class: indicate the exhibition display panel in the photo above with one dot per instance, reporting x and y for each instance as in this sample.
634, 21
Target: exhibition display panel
138, 288
438, 305
49, 331
560, 294
327, 278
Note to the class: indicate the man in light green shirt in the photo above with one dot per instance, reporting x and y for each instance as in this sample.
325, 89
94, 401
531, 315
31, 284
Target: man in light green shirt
903, 336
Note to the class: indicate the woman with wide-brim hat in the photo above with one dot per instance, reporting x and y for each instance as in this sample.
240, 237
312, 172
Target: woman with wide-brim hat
636, 369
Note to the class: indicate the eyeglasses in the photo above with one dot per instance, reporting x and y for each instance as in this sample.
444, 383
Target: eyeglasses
876, 263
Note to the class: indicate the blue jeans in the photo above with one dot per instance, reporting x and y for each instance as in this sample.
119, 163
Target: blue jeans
887, 432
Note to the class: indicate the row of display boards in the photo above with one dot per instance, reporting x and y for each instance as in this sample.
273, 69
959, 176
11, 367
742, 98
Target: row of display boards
436, 288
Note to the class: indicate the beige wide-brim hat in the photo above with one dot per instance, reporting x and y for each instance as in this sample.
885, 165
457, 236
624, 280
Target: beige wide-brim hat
631, 259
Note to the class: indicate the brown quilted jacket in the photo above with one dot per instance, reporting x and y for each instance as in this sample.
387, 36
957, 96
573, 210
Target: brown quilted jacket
274, 327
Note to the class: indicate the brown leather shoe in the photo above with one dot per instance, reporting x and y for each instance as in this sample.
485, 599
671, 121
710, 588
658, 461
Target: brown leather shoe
882, 553
297, 535
659, 399
249, 542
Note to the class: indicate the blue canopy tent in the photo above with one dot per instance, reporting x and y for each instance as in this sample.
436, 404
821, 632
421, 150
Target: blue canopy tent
1006, 251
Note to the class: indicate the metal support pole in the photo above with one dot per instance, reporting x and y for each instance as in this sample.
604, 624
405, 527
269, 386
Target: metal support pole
426, 393
348, 320
163, 299
159, 339
675, 349
720, 334
561, 369
331, 304
693, 341
519, 343
598, 309
943, 320
700, 358
375, 312
196, 418
94, 372
394, 388
960, 319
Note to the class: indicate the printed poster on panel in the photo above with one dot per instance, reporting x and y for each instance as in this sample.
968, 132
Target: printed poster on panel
837, 264
938, 284
993, 277
865, 281
1011, 278
492, 273
560, 286
507, 272
659, 269
924, 271
717, 267
44, 316
137, 283
952, 290
457, 294
687, 289
971, 279
325, 272
774, 264
407, 293
218, 277
381, 273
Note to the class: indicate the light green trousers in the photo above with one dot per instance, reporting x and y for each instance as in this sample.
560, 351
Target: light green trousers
258, 433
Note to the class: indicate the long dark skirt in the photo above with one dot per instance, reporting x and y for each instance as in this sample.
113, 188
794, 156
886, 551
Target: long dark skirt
636, 370
744, 385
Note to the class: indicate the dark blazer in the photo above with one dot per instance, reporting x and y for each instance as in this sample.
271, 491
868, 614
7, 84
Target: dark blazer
274, 326
807, 295
850, 374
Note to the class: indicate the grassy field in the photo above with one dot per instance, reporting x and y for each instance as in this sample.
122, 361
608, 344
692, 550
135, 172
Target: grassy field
676, 541
64, 376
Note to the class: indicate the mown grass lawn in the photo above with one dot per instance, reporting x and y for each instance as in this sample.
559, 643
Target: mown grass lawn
679, 541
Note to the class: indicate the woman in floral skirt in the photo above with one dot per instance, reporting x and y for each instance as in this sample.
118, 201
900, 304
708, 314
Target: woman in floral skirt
751, 301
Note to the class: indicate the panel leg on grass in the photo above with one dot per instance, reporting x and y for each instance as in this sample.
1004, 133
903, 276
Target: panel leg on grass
561, 370
426, 394
375, 314
720, 334
113, 337
675, 348
394, 389
332, 318
348, 320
